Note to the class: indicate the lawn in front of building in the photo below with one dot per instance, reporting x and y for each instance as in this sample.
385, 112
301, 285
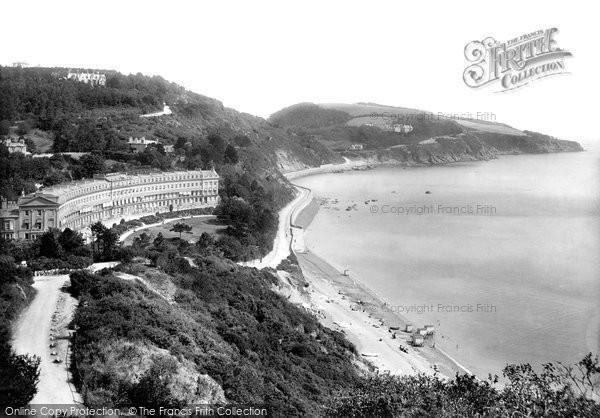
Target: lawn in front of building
199, 225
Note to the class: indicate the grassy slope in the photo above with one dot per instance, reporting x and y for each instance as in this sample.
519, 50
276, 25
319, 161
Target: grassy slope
496, 137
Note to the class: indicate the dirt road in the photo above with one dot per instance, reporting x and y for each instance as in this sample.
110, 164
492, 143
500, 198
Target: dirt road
45, 322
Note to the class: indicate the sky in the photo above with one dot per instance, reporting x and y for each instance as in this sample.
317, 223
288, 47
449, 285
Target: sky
260, 56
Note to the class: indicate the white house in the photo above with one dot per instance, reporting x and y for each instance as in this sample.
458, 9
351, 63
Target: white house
356, 147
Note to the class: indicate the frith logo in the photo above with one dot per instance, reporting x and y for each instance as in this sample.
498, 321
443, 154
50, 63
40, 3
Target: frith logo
514, 63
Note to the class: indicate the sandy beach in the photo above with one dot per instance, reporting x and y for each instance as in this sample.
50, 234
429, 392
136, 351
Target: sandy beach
343, 303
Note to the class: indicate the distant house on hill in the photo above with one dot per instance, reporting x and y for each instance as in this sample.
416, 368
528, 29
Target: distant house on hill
16, 145
138, 145
356, 147
397, 127
401, 128
96, 79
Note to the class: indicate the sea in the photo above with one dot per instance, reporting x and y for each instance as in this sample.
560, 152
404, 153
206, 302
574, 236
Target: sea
501, 256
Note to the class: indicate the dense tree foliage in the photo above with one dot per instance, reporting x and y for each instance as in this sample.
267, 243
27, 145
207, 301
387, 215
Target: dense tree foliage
105, 245
556, 391
54, 249
43, 93
309, 115
225, 320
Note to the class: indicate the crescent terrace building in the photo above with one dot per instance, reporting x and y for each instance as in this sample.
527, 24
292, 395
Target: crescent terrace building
107, 198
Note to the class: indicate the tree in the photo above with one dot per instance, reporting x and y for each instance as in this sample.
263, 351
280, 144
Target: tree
54, 177
181, 227
242, 141
49, 244
159, 242
106, 242
205, 240
71, 241
216, 148
91, 164
4, 127
19, 378
231, 155
24, 128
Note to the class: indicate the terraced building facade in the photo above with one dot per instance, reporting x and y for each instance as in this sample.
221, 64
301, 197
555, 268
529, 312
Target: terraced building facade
109, 198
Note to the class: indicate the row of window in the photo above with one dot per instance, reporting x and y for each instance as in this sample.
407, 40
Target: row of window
212, 187
39, 212
131, 182
38, 225
76, 219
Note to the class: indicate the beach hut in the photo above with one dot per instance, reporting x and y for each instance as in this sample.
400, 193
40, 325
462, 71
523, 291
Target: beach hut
430, 329
409, 328
417, 340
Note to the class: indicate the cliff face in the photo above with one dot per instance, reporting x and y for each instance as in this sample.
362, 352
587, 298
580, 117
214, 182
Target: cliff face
430, 140
444, 150
530, 143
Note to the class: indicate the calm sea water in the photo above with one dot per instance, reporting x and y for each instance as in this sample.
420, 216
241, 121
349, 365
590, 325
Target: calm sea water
517, 282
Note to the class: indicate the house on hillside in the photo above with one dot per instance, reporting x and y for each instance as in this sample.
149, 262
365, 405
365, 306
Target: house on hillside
15, 145
402, 128
96, 79
138, 145
356, 147
9, 218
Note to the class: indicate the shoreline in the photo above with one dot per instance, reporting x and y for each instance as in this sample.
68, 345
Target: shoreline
346, 304
367, 308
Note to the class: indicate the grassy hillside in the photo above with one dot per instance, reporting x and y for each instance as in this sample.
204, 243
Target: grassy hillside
217, 327
77, 117
372, 124
367, 109
309, 115
485, 126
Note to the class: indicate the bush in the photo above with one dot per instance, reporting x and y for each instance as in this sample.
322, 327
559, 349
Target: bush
81, 282
18, 379
151, 219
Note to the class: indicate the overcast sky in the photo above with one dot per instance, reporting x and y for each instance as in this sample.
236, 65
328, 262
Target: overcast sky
260, 56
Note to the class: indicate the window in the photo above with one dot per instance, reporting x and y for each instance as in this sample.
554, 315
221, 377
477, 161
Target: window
39, 212
26, 213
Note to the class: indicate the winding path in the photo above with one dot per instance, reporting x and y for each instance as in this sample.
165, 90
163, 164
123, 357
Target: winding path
45, 322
